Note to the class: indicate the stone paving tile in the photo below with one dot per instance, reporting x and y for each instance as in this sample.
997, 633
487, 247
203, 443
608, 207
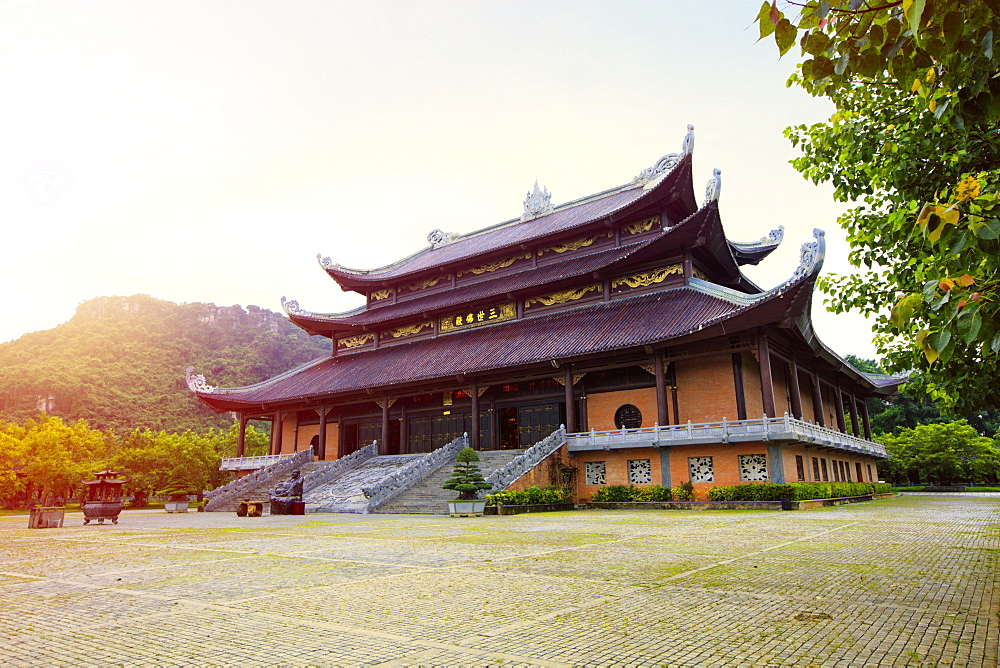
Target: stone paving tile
907, 581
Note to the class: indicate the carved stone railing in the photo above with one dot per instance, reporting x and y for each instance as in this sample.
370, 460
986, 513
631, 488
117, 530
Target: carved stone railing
338, 468
391, 486
765, 429
239, 487
248, 463
520, 465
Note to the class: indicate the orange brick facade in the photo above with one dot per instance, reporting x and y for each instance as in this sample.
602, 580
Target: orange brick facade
601, 407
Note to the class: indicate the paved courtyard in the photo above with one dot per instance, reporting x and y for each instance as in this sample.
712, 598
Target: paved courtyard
905, 581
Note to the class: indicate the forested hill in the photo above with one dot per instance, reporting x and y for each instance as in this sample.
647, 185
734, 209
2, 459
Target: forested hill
119, 362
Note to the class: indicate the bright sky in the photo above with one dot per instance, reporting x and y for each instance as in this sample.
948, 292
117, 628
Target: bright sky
207, 151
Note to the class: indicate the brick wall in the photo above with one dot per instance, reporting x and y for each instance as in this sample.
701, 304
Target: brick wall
601, 407
706, 390
547, 473
725, 460
615, 468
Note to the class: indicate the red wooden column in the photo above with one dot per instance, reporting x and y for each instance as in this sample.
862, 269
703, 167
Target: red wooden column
276, 433
570, 403
662, 411
474, 432
321, 446
866, 419
817, 399
839, 407
741, 397
766, 383
855, 414
241, 435
384, 441
793, 387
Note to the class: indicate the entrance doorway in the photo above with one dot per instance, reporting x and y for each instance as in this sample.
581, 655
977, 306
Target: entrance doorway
523, 426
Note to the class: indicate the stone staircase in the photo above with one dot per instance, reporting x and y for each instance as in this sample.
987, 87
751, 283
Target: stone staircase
261, 492
344, 495
427, 497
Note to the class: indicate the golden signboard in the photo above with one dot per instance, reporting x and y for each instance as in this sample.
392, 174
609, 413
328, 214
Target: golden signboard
476, 317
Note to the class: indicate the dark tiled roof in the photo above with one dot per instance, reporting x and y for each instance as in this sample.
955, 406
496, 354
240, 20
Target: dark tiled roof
608, 326
467, 294
514, 233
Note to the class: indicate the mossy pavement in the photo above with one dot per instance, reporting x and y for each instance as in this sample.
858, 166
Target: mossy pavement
907, 581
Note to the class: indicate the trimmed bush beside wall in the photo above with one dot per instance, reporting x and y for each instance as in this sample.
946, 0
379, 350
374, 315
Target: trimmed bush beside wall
631, 493
797, 491
534, 495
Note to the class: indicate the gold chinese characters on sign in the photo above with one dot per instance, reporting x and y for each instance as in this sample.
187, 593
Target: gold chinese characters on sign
641, 226
646, 278
477, 317
493, 266
562, 297
381, 294
576, 244
409, 330
355, 341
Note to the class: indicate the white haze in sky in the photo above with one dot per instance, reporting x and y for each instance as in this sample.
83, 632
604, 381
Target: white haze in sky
207, 151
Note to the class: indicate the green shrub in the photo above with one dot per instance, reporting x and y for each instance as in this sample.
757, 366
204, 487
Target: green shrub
754, 491
684, 492
534, 495
883, 487
631, 493
833, 490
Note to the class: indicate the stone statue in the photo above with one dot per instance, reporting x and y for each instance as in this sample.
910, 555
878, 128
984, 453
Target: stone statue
285, 494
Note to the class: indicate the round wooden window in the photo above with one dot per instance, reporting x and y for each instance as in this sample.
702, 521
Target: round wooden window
628, 416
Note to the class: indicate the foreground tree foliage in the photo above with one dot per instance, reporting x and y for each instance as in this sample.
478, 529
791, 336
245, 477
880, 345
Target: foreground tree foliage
914, 143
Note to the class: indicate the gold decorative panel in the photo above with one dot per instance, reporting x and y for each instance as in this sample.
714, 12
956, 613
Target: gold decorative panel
409, 330
493, 266
381, 294
482, 316
355, 341
646, 278
698, 273
428, 283
641, 226
563, 296
576, 244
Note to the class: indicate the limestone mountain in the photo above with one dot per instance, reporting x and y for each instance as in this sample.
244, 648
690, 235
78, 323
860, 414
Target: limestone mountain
119, 362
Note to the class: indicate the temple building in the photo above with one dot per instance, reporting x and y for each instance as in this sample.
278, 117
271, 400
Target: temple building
623, 316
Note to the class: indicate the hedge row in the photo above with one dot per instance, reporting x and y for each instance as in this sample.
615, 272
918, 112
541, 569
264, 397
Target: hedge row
798, 491
625, 494
534, 495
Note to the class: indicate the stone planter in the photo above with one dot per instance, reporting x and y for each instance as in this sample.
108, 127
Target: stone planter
531, 508
176, 506
470, 508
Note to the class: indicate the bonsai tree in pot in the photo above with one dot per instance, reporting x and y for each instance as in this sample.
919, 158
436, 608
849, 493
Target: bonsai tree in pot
467, 480
179, 485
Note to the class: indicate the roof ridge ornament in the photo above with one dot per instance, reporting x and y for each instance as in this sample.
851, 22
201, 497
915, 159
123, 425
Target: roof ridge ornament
196, 382
326, 262
714, 187
811, 256
438, 238
537, 203
291, 307
667, 162
774, 237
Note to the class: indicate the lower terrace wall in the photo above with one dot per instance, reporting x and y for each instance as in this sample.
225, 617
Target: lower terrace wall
549, 472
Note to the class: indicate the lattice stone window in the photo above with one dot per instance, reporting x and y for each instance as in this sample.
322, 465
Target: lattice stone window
800, 468
594, 473
702, 469
753, 468
639, 472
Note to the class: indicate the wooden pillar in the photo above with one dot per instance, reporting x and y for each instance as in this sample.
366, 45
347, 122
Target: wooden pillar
817, 399
340, 434
672, 379
570, 402
384, 441
766, 383
474, 432
741, 397
793, 386
855, 415
241, 435
404, 448
662, 411
276, 433
321, 446
295, 433
866, 420
838, 405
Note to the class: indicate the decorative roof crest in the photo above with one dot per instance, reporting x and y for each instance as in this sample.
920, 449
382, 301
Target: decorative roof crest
811, 256
714, 187
438, 238
667, 162
291, 307
537, 203
326, 262
196, 382
774, 237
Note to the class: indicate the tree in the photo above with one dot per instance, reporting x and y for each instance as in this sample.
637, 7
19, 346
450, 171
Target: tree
914, 143
941, 453
466, 478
